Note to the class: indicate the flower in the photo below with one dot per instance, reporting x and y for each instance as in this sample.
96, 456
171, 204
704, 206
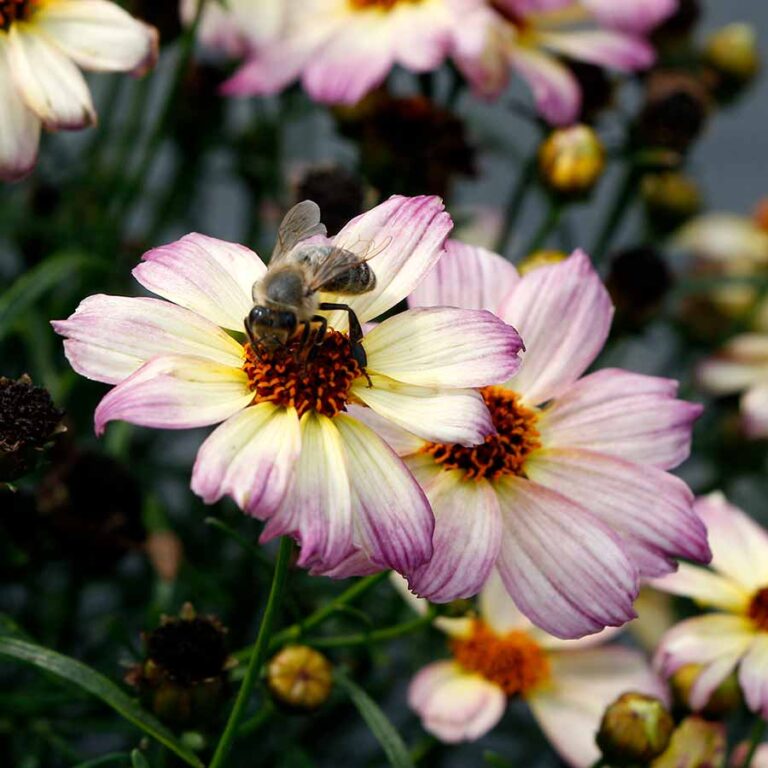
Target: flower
343, 49
570, 499
500, 655
288, 451
737, 588
527, 36
41, 42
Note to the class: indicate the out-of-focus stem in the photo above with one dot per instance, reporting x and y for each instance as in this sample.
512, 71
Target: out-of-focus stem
622, 200
525, 178
755, 739
545, 229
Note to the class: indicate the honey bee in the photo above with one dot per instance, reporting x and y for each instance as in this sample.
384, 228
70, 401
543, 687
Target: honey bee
286, 300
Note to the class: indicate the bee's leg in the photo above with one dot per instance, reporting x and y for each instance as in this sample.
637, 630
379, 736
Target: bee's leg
249, 334
355, 335
306, 330
319, 335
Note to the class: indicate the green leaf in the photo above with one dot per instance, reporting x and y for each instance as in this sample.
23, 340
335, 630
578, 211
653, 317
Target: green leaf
376, 720
96, 684
116, 757
138, 760
36, 281
492, 759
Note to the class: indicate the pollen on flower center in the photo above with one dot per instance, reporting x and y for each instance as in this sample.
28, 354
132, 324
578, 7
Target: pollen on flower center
384, 5
514, 661
758, 609
13, 10
314, 378
501, 454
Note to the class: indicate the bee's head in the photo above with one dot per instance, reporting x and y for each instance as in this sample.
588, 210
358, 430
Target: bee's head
270, 327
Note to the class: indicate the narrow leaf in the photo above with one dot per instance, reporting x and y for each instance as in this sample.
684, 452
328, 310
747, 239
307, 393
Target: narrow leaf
96, 684
376, 720
138, 760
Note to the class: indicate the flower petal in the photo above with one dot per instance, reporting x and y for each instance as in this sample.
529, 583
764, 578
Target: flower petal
19, 126
651, 510
403, 238
392, 518
99, 35
444, 347
628, 415
250, 457
563, 313
50, 84
634, 16
498, 609
437, 415
453, 705
466, 276
625, 53
584, 683
754, 409
110, 337
316, 509
466, 539
706, 588
401, 442
565, 569
739, 545
753, 675
211, 277
176, 392
555, 90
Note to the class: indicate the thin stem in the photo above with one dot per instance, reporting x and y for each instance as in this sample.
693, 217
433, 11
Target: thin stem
253, 724
623, 198
545, 229
377, 635
257, 656
515, 205
755, 739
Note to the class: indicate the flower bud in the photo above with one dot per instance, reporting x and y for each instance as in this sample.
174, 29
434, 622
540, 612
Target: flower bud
300, 677
725, 698
635, 729
571, 160
696, 743
184, 678
338, 192
541, 258
670, 199
732, 54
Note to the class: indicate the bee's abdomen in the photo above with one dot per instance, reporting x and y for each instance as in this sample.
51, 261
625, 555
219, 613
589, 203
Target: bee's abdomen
357, 279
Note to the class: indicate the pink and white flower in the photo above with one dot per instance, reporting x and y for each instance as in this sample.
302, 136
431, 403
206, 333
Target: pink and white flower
42, 44
500, 654
736, 634
528, 37
570, 499
288, 451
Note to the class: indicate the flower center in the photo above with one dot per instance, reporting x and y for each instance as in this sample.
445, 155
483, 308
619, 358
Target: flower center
382, 5
758, 609
514, 661
315, 378
13, 10
501, 454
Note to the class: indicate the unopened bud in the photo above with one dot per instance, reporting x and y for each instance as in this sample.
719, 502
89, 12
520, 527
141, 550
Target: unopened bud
732, 53
300, 677
670, 199
540, 259
571, 160
635, 729
724, 699
696, 743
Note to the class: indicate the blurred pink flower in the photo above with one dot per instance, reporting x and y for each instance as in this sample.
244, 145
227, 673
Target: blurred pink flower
737, 588
287, 451
570, 499
42, 43
500, 654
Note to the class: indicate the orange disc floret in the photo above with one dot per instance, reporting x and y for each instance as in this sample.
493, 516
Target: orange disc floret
758, 609
513, 661
384, 5
13, 10
501, 454
308, 378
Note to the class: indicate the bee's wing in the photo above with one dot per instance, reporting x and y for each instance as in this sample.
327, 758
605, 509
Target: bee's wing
328, 262
301, 222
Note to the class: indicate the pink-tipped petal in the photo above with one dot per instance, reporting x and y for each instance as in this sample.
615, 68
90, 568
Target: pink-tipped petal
563, 314
739, 545
208, 276
706, 588
753, 675
635, 16
467, 276
421, 34
110, 337
651, 510
393, 521
401, 442
754, 408
565, 569
453, 705
49, 83
466, 541
175, 392
316, 509
403, 238
615, 50
436, 415
555, 89
444, 347
623, 414
250, 457
271, 69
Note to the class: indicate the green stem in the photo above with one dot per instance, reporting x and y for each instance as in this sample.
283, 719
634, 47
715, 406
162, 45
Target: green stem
622, 200
545, 229
253, 724
257, 656
377, 635
525, 178
755, 739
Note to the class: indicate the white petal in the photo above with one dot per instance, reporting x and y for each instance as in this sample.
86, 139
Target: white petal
498, 609
753, 675
706, 588
401, 442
